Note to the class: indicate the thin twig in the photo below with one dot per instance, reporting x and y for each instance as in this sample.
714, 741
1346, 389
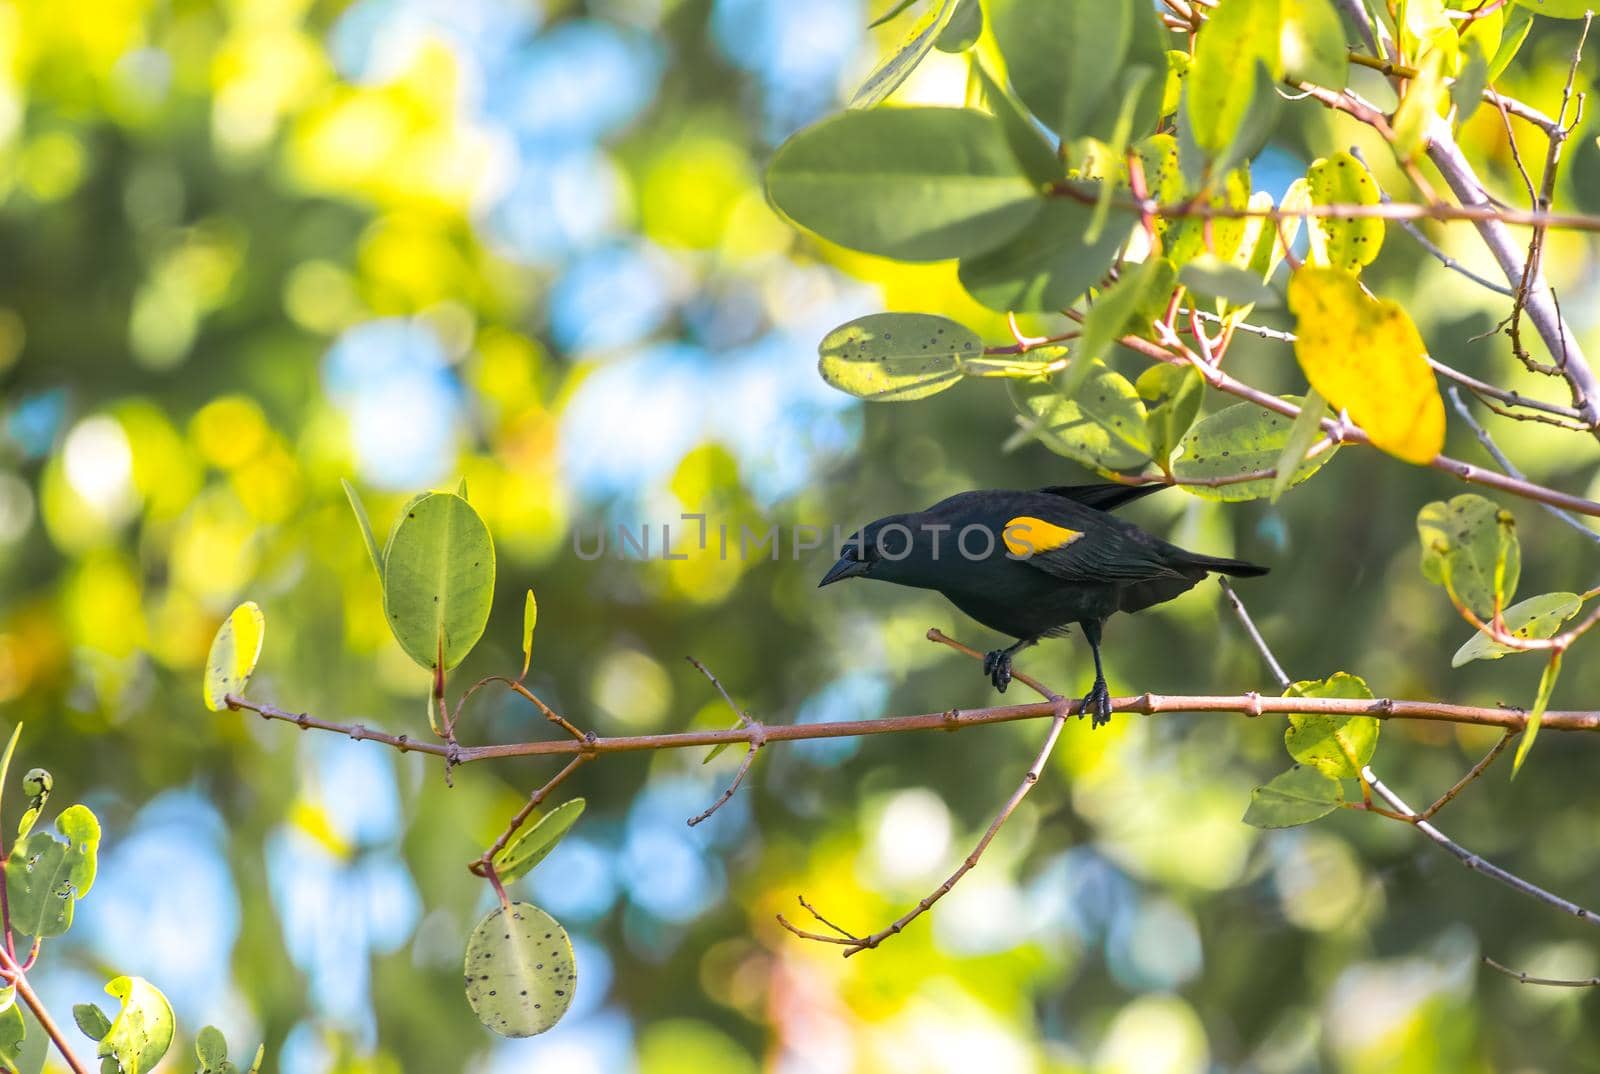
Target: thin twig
1477, 770
484, 864
1554, 982
1506, 464
1255, 634
856, 944
14, 975
1510, 105
757, 740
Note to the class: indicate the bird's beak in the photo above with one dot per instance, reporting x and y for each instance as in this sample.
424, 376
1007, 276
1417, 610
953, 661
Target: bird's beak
845, 568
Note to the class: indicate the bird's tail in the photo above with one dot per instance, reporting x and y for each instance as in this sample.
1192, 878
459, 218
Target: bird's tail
1238, 568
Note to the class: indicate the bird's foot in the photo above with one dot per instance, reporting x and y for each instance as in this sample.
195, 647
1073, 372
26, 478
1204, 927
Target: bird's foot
1097, 704
997, 665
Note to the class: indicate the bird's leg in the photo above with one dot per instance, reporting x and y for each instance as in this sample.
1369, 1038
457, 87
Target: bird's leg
1097, 702
997, 664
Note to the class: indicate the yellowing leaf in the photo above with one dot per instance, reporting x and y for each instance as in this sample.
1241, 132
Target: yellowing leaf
234, 652
1364, 355
530, 616
1344, 244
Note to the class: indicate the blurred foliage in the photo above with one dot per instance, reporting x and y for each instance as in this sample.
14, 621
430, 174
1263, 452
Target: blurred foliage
254, 247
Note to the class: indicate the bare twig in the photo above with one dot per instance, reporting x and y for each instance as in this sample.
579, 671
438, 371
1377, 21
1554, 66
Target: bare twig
484, 864
1509, 105
855, 944
14, 975
1477, 770
1255, 634
1505, 464
1554, 982
757, 740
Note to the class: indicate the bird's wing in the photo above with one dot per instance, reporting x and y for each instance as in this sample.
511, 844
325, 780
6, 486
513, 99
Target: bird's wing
1099, 552
1105, 497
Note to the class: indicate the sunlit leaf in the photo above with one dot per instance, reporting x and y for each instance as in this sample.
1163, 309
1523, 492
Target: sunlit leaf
13, 1034
1107, 320
1547, 683
5, 761
1063, 57
894, 12
1312, 43
142, 1031
1298, 796
1172, 396
963, 29
1519, 20
1558, 9
1466, 93
1239, 439
1305, 432
440, 580
1229, 90
1366, 357
365, 525
535, 842
530, 616
1194, 236
234, 652
37, 785
1339, 746
1102, 425
894, 357
1035, 155
519, 970
1536, 618
895, 68
914, 184
1343, 244
45, 876
1419, 106
1049, 265
1470, 545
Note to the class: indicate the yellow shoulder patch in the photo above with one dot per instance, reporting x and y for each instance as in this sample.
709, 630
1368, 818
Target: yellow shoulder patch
1028, 536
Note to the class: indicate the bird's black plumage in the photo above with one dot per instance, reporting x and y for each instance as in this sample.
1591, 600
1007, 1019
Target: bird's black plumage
1033, 563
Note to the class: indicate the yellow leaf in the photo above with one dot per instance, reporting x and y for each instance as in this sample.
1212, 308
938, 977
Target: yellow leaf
1341, 179
1365, 356
234, 652
530, 615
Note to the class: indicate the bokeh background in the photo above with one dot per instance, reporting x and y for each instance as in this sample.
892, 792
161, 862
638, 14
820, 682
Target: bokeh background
250, 248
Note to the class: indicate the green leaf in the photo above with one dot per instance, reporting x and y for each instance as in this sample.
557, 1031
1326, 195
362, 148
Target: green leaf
1338, 746
1535, 618
519, 970
1298, 796
1470, 546
211, 1048
1419, 106
1107, 320
440, 580
914, 184
963, 29
1172, 396
44, 876
234, 652
898, 65
1519, 20
891, 14
142, 1031
1223, 85
1047, 267
91, 1020
1272, 238
366, 527
530, 616
13, 1032
534, 843
1466, 93
1343, 244
1558, 9
1189, 238
1033, 152
1102, 425
1312, 44
1177, 71
1547, 683
5, 761
894, 357
1239, 439
1302, 435
1063, 57
37, 785
461, 488
1366, 357
1212, 277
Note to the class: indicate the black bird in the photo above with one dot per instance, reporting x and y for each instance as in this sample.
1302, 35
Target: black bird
1032, 563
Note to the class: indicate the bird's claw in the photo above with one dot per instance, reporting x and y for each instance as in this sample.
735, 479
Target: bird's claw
1097, 704
997, 665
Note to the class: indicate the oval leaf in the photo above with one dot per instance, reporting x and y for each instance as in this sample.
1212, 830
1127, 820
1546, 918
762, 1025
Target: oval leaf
1298, 796
234, 652
534, 843
1049, 265
519, 970
914, 184
1063, 57
142, 1031
1222, 85
1366, 357
1470, 546
1103, 425
894, 357
1240, 439
1535, 618
439, 580
1338, 746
